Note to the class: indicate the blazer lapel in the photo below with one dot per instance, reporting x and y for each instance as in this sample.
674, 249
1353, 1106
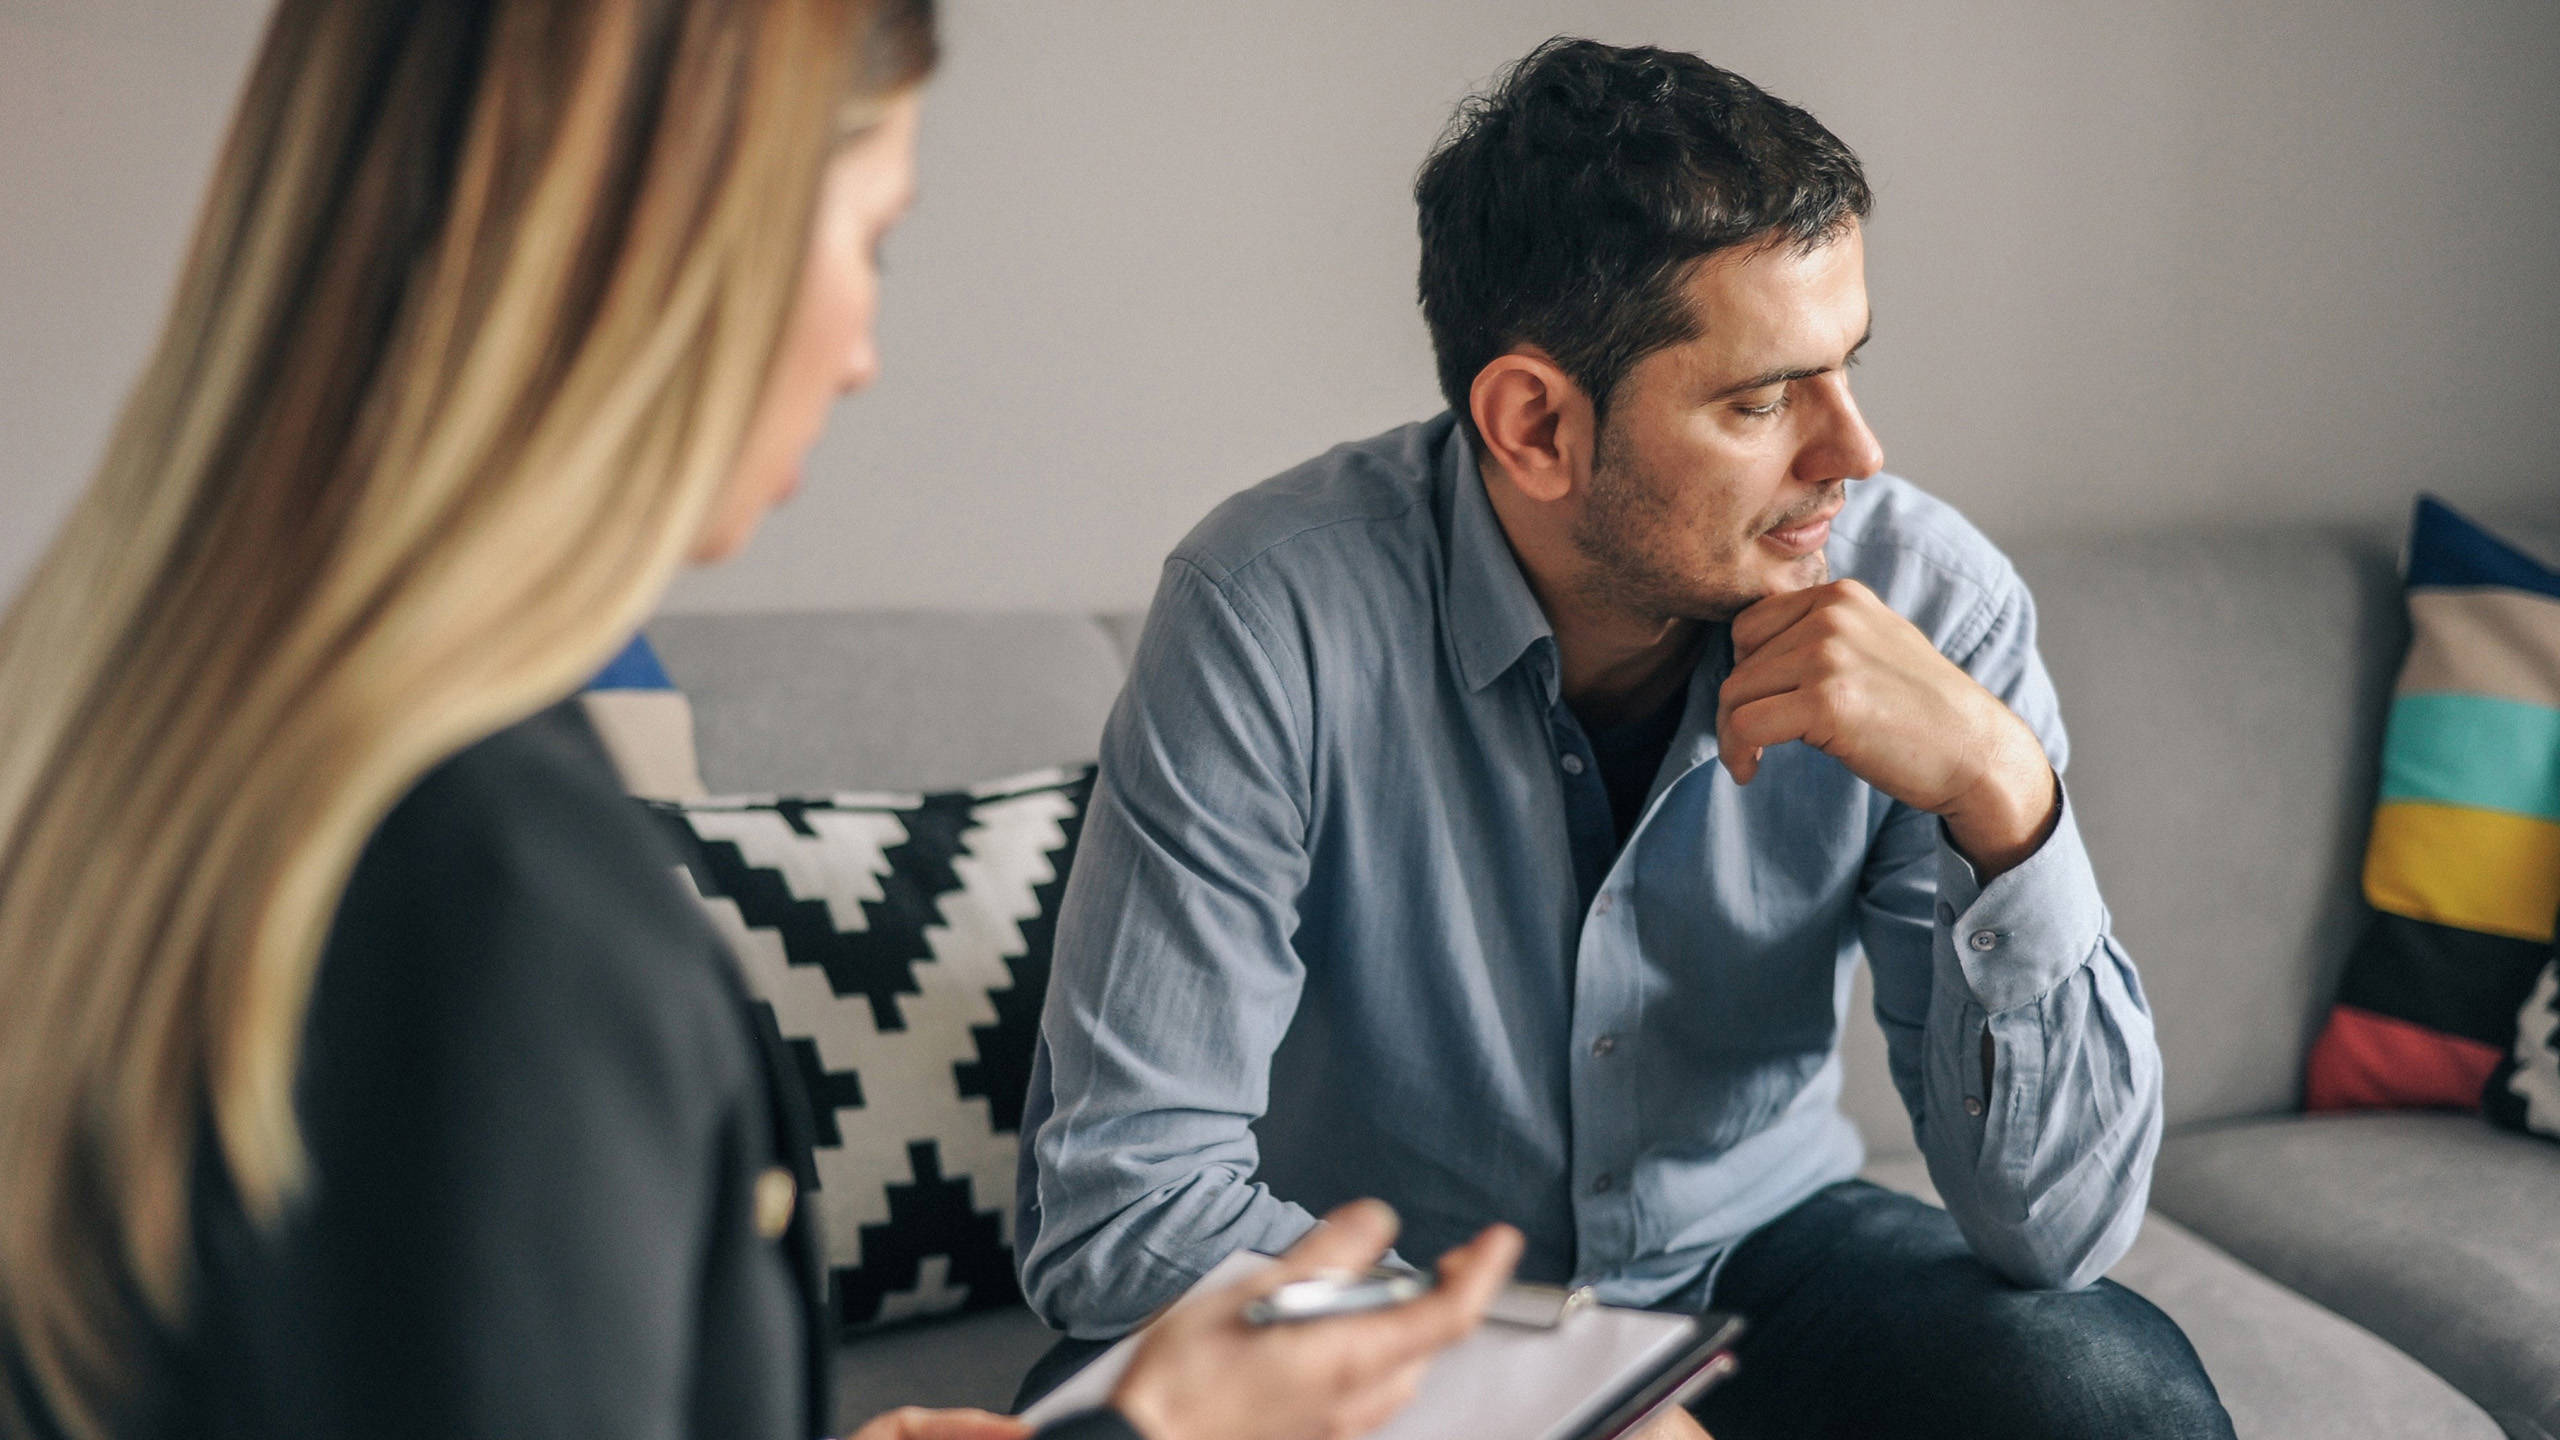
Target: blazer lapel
795, 1140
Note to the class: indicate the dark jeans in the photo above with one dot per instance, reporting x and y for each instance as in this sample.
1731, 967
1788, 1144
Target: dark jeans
1871, 1319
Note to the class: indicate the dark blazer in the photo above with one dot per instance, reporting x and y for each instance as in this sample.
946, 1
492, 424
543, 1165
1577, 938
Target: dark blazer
551, 1150
541, 1130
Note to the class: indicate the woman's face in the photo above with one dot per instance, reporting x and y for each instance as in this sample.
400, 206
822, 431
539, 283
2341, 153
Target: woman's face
827, 347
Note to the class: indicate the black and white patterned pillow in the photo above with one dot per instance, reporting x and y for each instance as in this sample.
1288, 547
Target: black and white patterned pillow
903, 944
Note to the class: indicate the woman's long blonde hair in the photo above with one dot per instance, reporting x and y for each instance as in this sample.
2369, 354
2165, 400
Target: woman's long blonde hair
478, 309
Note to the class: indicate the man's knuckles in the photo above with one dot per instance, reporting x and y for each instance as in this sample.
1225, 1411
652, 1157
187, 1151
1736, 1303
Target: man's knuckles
1845, 689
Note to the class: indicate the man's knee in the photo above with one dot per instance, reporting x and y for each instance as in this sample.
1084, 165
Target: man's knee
2100, 1361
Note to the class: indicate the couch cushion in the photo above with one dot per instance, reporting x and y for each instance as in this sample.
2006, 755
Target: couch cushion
2225, 694
813, 702
2287, 1369
2436, 1232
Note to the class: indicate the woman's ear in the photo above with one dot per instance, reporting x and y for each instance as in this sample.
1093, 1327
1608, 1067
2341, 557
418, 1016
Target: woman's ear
1535, 423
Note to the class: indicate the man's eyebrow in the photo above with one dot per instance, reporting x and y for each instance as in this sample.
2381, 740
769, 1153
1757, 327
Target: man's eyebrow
1781, 377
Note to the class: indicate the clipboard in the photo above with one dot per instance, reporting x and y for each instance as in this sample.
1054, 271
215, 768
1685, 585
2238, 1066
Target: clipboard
1598, 1372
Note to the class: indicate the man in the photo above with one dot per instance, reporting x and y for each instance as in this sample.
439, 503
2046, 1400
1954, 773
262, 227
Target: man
1497, 807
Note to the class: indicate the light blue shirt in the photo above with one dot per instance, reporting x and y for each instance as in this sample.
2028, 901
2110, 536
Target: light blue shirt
1324, 938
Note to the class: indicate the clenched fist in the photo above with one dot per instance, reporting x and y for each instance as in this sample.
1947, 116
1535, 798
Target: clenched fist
1833, 667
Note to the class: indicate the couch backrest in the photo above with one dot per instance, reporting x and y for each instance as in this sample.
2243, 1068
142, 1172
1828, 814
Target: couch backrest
2225, 694
812, 702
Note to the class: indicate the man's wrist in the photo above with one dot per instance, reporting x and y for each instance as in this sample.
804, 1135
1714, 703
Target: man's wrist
2007, 817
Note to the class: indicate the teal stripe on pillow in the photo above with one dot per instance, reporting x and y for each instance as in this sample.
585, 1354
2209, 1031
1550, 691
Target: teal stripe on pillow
2473, 750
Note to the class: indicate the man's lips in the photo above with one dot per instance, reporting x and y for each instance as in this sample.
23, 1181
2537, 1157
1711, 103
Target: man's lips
1803, 537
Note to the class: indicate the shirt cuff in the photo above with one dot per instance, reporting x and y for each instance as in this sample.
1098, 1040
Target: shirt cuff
2031, 927
1102, 1424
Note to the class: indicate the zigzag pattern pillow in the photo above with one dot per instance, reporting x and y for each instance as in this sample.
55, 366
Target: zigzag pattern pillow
902, 943
2463, 866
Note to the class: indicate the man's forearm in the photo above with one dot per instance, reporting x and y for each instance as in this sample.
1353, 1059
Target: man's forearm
2042, 1078
1128, 1199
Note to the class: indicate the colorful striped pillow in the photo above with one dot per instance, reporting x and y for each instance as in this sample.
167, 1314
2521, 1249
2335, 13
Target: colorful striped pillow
2463, 865
646, 724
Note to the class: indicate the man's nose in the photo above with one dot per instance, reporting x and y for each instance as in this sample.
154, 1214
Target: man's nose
1845, 449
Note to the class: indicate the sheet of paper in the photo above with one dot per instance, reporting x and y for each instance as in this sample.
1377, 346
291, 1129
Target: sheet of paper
1505, 1382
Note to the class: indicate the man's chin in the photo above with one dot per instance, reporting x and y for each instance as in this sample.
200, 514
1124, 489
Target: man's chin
1802, 573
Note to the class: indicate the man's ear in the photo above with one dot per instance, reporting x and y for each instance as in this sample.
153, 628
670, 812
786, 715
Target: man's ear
1535, 422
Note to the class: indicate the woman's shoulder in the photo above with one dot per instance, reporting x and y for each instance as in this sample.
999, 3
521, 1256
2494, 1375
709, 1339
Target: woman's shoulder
517, 887
534, 1113
539, 797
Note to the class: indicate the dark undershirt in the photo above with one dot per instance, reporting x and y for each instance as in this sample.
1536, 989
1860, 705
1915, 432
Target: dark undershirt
1630, 755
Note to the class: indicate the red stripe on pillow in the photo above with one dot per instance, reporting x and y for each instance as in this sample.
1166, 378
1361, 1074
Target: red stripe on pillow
2365, 1061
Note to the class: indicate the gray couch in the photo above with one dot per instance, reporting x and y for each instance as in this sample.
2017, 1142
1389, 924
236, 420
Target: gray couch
2369, 1275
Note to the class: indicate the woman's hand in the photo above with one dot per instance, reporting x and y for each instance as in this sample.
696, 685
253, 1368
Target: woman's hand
1205, 1374
914, 1424
1674, 1424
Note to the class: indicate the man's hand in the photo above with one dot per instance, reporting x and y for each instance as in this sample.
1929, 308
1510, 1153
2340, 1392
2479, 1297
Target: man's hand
1674, 1424
1834, 668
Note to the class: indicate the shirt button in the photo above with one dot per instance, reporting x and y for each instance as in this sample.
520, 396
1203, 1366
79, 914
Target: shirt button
1972, 1107
1572, 764
1604, 1185
1605, 1046
1985, 940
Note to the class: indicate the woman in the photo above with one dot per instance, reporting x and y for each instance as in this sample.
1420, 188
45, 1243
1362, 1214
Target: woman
361, 1071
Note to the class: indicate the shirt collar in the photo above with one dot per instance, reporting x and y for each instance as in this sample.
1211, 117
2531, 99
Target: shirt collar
1493, 617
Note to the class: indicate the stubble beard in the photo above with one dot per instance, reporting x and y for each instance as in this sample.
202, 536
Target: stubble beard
1620, 537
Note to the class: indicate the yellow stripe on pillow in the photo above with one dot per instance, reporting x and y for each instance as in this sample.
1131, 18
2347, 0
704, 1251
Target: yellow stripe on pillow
2470, 869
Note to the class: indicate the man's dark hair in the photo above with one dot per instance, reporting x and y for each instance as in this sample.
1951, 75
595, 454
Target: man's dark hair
1564, 207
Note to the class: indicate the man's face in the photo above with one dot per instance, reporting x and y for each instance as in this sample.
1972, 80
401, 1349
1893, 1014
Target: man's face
1722, 460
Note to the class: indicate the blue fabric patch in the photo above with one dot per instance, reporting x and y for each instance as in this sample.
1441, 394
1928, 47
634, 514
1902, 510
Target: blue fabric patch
636, 668
2447, 549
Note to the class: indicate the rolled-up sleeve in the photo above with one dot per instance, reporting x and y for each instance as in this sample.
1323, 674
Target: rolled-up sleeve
1175, 977
2045, 1160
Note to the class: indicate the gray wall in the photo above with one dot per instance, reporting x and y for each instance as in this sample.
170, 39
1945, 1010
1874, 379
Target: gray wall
2136, 264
